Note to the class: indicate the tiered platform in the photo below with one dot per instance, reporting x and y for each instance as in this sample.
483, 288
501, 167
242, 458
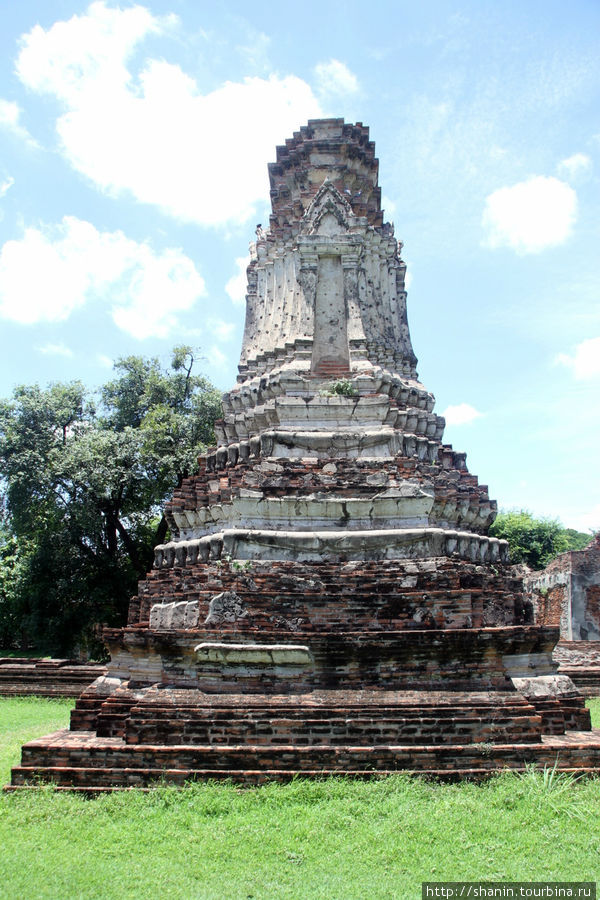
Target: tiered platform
45, 677
261, 714
580, 661
85, 761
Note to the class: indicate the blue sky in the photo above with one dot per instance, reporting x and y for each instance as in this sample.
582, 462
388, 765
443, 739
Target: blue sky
134, 141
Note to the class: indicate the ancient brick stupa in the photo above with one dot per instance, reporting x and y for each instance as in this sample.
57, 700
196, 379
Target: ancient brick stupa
330, 600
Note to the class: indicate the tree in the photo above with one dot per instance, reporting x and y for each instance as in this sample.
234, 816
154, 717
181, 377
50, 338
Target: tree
536, 541
11, 564
84, 481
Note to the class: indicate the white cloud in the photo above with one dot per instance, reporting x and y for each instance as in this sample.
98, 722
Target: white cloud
237, 284
6, 185
334, 78
152, 132
585, 361
216, 358
461, 414
531, 215
158, 288
222, 330
10, 113
104, 360
56, 350
255, 49
586, 521
72, 59
52, 271
575, 165
389, 206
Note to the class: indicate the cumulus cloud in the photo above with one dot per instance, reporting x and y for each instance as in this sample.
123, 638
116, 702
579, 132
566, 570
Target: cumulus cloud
150, 131
530, 216
56, 350
334, 78
584, 362
575, 165
237, 284
71, 59
53, 270
461, 414
10, 114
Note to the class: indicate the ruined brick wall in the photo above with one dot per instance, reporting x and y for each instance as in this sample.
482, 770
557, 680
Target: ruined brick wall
567, 593
370, 596
459, 497
585, 592
580, 660
552, 603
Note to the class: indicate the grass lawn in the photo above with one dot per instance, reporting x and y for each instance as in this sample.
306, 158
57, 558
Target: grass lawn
331, 839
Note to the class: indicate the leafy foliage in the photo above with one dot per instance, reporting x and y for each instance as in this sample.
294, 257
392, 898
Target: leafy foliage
84, 479
11, 564
536, 541
343, 387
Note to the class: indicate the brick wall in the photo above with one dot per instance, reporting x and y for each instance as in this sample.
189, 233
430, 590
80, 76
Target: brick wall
567, 593
379, 595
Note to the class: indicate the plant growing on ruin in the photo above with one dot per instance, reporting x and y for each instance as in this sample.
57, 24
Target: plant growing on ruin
343, 387
484, 747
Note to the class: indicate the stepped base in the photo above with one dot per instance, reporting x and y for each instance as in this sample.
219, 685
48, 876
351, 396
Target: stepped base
580, 661
83, 761
45, 677
168, 734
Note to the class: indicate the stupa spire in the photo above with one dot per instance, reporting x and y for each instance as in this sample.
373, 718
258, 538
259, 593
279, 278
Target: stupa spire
326, 292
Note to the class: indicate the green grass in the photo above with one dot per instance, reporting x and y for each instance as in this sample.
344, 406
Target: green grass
331, 839
35, 653
22, 719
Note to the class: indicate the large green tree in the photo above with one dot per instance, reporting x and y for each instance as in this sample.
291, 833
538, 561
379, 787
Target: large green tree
536, 541
84, 481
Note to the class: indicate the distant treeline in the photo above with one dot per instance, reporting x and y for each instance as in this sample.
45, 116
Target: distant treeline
536, 541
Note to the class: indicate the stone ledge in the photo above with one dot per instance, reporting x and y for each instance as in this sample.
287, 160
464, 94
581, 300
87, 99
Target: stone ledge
253, 654
241, 543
